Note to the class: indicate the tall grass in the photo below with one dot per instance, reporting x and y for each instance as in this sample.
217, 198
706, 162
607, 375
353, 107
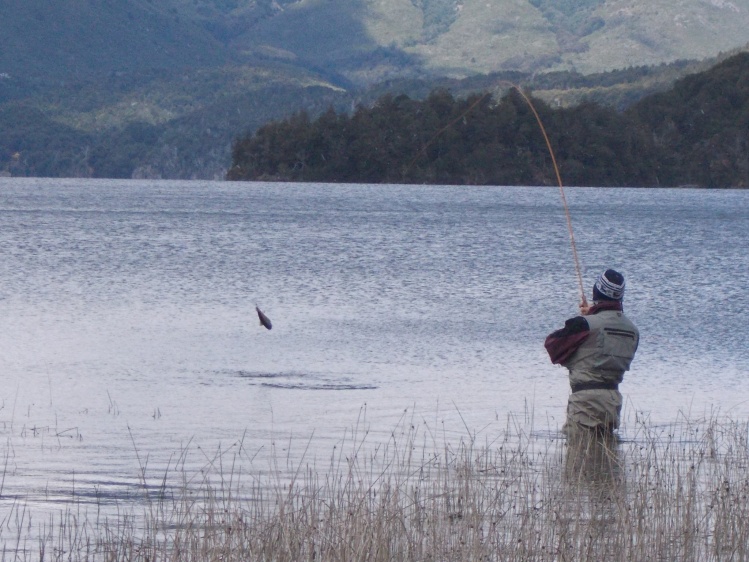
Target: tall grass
674, 492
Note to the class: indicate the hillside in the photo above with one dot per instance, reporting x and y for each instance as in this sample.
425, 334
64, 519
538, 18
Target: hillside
702, 124
161, 89
363, 41
45, 42
175, 124
178, 124
464, 37
695, 134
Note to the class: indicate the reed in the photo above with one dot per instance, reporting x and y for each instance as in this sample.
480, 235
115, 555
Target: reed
676, 492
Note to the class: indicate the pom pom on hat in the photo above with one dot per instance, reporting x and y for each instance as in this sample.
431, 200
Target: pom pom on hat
609, 286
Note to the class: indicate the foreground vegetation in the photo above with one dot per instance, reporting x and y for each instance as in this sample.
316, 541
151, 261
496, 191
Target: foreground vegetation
668, 493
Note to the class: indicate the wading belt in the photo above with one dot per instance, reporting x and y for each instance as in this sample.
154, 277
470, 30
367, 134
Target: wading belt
577, 387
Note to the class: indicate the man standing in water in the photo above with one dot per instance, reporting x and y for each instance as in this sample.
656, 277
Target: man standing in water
597, 348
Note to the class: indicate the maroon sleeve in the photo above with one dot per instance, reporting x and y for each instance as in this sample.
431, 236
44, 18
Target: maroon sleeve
561, 344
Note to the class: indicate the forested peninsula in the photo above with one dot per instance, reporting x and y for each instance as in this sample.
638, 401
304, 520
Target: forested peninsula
696, 134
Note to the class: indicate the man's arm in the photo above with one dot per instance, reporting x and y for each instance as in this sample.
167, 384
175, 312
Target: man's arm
564, 342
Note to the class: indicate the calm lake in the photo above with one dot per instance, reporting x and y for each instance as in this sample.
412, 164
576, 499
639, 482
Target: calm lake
129, 340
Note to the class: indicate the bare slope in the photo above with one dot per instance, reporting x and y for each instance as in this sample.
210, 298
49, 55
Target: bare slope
642, 33
463, 37
490, 36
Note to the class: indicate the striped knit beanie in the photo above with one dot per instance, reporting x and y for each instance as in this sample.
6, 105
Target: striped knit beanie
609, 286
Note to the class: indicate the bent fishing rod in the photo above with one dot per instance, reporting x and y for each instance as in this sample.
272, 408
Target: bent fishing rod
583, 300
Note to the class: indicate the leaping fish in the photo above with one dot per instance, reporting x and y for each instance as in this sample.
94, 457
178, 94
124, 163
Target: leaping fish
264, 320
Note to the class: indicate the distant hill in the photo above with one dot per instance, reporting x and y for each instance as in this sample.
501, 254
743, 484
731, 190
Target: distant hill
368, 40
363, 41
176, 124
181, 124
162, 88
45, 41
695, 134
702, 126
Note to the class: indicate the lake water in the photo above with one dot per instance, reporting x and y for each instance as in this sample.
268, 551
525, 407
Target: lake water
129, 339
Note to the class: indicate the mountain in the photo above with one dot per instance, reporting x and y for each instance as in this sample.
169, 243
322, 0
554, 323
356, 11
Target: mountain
368, 40
703, 125
161, 88
363, 41
47, 42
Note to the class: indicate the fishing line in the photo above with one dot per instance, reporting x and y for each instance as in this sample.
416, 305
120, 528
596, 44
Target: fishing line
443, 129
553, 161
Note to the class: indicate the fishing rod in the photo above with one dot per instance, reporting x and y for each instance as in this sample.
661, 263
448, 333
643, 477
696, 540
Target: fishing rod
584, 301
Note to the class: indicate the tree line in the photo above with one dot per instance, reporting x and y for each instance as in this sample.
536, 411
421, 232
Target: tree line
695, 134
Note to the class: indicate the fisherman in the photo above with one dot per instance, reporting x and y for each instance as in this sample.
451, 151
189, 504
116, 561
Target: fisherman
597, 348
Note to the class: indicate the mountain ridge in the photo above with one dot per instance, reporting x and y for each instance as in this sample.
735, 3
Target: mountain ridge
161, 88
364, 41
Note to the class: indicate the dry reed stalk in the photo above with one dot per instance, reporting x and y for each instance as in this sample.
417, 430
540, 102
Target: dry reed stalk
671, 493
